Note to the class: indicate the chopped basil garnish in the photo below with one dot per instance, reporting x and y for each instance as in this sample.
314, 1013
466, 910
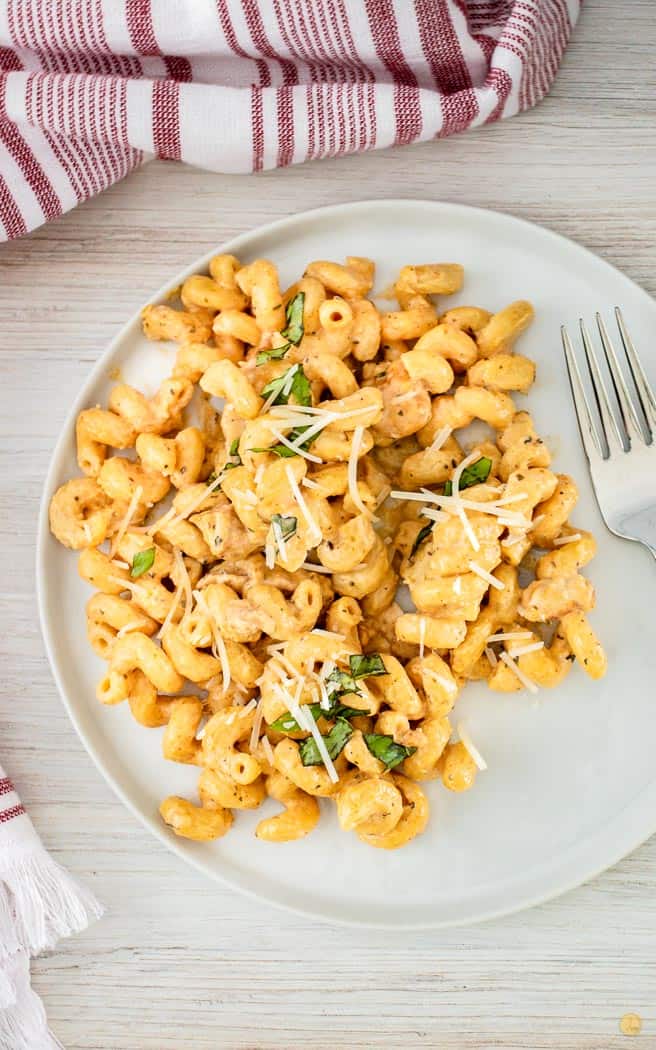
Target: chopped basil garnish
142, 562
422, 535
275, 354
386, 750
282, 450
288, 724
473, 475
343, 711
293, 333
343, 682
287, 525
294, 315
364, 666
334, 741
299, 388
234, 461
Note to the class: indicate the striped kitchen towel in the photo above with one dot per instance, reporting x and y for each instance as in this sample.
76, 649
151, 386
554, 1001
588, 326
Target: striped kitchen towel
39, 904
89, 89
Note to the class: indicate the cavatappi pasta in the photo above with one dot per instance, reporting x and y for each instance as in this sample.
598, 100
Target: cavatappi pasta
254, 618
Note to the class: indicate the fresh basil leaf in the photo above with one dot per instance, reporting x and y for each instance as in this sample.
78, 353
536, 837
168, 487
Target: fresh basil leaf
278, 450
369, 664
294, 315
299, 388
343, 682
287, 525
282, 450
386, 750
276, 353
334, 741
342, 711
142, 562
288, 724
234, 447
473, 475
422, 535
275, 387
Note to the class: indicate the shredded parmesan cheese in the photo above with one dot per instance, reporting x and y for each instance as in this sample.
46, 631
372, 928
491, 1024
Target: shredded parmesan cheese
422, 636
289, 380
443, 434
218, 646
521, 650
280, 542
485, 575
509, 636
328, 634
315, 536
382, 496
296, 448
305, 410
433, 515
270, 550
222, 653
120, 564
310, 484
186, 582
567, 539
469, 532
129, 514
453, 505
257, 726
175, 520
311, 567
354, 493
298, 712
407, 396
268, 750
323, 751
473, 457
491, 656
517, 671
134, 626
469, 744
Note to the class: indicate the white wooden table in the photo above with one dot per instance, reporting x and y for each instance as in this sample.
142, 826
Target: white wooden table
180, 962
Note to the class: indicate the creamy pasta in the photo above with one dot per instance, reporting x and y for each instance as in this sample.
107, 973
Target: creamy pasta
246, 559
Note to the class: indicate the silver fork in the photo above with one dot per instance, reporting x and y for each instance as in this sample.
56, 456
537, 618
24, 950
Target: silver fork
618, 439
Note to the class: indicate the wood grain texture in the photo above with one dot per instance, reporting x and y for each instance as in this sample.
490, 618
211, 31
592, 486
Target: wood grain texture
179, 962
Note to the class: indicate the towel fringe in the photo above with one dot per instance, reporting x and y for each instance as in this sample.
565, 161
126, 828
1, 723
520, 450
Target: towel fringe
23, 1025
46, 902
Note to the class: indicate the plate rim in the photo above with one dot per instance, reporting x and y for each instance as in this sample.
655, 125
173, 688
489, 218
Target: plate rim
628, 836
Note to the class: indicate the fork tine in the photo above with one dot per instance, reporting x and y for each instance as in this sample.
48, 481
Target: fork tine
645, 392
625, 401
614, 438
589, 435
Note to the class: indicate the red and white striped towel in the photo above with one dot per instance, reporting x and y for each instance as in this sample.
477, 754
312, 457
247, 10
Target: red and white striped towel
89, 89
39, 904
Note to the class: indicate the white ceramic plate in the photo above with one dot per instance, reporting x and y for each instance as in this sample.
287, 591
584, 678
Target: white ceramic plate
571, 786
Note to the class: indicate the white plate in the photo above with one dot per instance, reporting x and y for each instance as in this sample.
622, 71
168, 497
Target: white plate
571, 786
